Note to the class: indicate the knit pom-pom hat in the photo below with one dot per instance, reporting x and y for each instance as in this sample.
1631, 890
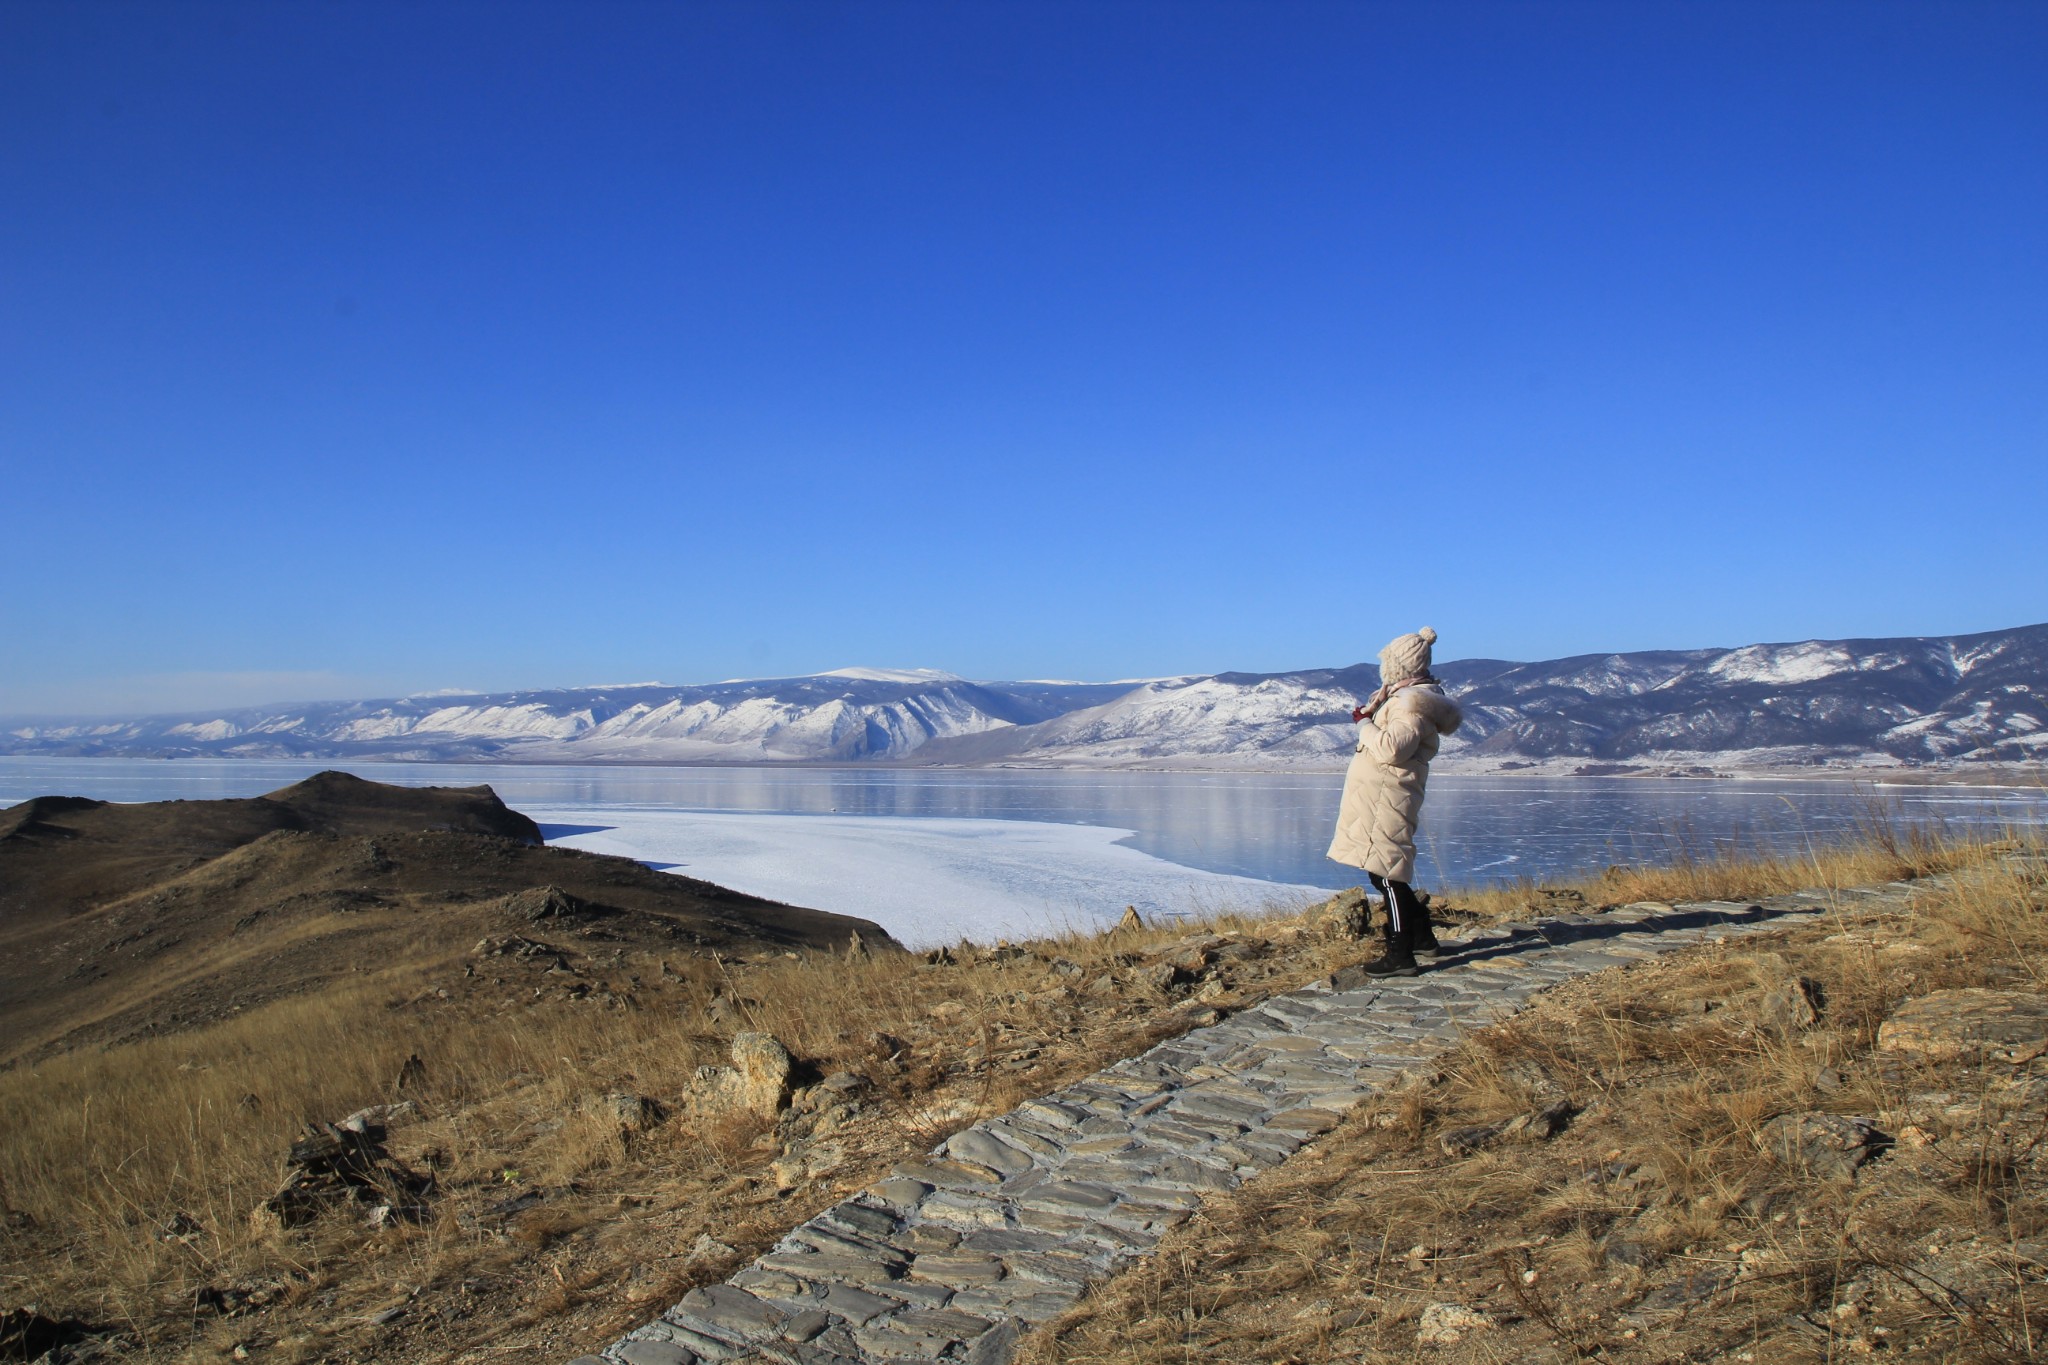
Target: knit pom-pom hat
1406, 657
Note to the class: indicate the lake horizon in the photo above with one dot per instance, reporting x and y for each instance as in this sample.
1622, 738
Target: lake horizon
986, 852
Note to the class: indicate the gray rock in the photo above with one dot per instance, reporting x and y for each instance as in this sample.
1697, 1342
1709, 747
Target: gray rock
806, 1325
539, 904
902, 1192
958, 1272
1067, 1195
923, 1295
995, 1346
1636, 1255
1159, 977
868, 1222
635, 1113
985, 1149
706, 1347
886, 1342
1827, 1145
858, 1306
946, 1175
655, 1353
723, 1309
947, 1321
1793, 1005
1688, 1291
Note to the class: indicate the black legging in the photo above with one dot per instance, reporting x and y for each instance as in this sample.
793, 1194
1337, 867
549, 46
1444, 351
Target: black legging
1403, 910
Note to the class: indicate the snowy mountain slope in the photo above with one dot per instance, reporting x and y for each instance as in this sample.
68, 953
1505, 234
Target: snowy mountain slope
851, 714
1963, 698
1932, 700
1974, 697
1279, 719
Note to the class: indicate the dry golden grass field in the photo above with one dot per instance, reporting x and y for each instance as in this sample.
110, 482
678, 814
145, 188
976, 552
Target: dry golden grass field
563, 1211
1665, 1223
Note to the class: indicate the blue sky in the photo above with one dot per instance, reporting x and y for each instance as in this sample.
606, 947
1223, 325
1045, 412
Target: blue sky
352, 349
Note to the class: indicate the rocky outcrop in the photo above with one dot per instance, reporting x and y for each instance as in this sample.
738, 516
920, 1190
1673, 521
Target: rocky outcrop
1831, 1146
1967, 1024
340, 1164
758, 1081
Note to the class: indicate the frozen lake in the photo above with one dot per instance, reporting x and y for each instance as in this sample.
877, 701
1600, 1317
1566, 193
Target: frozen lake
934, 855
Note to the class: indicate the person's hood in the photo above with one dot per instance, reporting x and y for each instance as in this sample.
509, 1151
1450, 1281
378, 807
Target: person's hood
1428, 700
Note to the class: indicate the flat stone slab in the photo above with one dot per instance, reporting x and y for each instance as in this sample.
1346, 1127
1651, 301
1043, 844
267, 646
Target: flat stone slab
1949, 1025
955, 1256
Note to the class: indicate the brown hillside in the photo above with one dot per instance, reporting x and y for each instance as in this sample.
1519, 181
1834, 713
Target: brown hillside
121, 921
60, 854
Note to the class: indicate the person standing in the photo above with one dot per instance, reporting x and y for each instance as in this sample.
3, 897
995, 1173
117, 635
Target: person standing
1399, 729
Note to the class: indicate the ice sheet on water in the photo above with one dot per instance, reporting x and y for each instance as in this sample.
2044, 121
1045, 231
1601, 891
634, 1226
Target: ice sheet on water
927, 881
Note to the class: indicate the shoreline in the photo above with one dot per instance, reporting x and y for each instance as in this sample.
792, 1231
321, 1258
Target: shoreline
2018, 776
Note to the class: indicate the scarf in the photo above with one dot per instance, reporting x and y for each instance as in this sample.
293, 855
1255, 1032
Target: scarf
1387, 691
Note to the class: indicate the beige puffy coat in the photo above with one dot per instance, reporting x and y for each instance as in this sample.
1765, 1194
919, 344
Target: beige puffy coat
1383, 788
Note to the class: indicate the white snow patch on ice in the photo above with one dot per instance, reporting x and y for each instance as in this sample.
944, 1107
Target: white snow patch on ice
927, 881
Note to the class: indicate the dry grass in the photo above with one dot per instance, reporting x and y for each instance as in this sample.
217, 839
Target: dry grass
130, 1176
1661, 1225
1882, 850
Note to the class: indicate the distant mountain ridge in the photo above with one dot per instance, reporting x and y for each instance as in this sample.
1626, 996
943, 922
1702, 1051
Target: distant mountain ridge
1929, 700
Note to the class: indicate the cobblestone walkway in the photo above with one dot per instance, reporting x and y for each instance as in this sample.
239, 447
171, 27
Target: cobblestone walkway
1003, 1227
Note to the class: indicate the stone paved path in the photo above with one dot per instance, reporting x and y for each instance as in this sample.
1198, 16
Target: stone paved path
1004, 1226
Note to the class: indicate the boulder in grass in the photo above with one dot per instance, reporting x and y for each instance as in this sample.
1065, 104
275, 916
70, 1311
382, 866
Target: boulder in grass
759, 1080
1966, 1025
765, 1068
1159, 978
335, 1165
538, 904
1346, 915
1793, 1005
1830, 1146
635, 1113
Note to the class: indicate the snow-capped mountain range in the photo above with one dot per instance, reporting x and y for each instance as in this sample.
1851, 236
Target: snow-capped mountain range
1940, 700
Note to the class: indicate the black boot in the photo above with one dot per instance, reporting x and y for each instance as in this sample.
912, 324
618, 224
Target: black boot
1421, 937
1398, 959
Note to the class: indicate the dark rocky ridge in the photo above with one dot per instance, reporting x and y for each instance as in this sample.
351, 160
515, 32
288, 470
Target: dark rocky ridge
119, 921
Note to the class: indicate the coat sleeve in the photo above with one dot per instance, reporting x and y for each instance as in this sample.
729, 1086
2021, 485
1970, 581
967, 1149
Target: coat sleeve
1394, 742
